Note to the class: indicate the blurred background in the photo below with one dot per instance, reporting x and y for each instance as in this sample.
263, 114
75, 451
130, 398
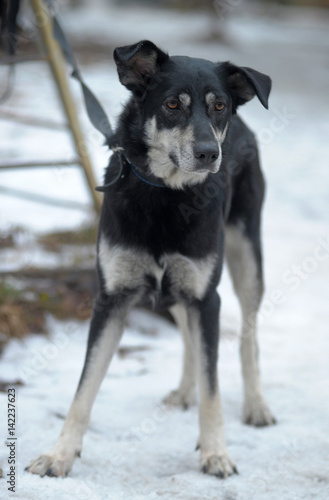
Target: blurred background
48, 224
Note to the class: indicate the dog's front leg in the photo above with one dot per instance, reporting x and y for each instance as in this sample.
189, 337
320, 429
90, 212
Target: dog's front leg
204, 327
185, 395
105, 333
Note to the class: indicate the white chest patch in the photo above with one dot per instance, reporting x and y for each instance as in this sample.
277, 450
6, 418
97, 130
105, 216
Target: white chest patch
128, 268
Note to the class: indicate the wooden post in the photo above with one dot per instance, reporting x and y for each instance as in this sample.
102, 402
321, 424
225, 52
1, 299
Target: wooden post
56, 61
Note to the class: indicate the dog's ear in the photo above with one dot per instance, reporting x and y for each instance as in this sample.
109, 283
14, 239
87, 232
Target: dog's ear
245, 83
137, 64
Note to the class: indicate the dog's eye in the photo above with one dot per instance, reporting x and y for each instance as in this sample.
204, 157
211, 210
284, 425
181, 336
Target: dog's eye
173, 104
219, 106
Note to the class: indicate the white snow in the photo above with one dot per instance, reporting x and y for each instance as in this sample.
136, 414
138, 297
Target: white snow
135, 448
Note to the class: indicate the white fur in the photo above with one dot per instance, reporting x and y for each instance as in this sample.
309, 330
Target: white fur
185, 99
123, 267
220, 135
185, 395
190, 275
210, 99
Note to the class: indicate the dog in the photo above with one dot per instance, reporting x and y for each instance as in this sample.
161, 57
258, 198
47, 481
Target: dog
183, 188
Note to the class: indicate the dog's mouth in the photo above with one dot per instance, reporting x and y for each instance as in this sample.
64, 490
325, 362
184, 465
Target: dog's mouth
193, 166
188, 175
200, 172
212, 169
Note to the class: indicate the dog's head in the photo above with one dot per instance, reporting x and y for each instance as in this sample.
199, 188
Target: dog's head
184, 106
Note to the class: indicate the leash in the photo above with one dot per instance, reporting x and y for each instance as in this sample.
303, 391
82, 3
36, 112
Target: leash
95, 111
98, 117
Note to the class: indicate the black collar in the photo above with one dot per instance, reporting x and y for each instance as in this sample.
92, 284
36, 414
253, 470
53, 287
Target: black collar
150, 179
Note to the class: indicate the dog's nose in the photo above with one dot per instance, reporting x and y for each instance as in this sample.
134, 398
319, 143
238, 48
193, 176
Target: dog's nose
206, 151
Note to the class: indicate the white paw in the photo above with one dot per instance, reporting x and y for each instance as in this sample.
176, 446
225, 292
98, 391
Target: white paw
51, 465
218, 464
179, 397
257, 413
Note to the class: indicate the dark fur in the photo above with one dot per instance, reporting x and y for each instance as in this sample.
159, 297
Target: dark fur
162, 221
189, 220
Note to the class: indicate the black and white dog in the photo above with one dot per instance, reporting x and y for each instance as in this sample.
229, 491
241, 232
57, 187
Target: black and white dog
189, 189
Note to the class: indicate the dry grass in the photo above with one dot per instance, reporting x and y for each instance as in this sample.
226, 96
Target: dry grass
21, 315
53, 241
29, 295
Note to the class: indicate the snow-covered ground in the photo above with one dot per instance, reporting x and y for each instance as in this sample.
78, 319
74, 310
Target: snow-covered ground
135, 448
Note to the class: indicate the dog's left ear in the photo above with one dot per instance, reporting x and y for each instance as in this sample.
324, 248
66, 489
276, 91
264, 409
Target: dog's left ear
245, 83
137, 64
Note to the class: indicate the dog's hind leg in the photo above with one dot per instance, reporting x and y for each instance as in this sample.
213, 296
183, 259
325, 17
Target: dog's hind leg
105, 333
243, 255
185, 395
